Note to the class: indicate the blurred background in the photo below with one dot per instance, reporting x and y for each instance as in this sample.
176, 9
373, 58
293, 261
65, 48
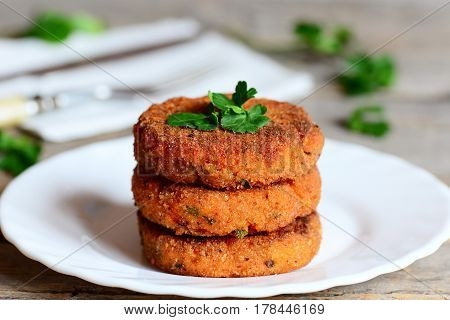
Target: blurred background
212, 44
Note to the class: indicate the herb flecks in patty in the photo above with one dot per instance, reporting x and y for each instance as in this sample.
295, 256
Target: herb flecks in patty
240, 233
196, 213
269, 263
192, 210
228, 113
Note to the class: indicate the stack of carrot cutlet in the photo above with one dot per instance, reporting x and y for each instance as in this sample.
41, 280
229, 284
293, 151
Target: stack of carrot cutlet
218, 202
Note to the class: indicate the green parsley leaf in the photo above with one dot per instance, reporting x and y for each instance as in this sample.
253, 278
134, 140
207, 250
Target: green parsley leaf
237, 119
185, 119
241, 94
231, 116
367, 74
256, 111
247, 122
368, 120
234, 121
198, 121
256, 116
220, 101
17, 153
237, 109
314, 38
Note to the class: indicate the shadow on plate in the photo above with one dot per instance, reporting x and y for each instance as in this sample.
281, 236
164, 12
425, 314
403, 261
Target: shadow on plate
111, 225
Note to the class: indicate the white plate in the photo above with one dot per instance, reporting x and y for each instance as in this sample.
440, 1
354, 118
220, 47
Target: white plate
400, 212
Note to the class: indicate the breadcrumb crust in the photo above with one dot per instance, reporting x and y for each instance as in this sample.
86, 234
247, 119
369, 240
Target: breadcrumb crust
200, 211
285, 149
281, 251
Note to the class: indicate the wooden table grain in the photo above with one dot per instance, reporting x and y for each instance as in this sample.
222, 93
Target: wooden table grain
418, 107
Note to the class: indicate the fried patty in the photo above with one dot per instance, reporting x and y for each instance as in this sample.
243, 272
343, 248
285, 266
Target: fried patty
281, 251
287, 148
200, 211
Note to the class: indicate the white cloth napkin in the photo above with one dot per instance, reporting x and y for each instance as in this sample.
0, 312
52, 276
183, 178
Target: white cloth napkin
209, 62
29, 54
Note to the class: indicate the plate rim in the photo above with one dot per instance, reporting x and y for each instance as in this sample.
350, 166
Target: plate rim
251, 292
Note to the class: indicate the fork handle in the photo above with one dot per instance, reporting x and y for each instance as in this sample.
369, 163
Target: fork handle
14, 111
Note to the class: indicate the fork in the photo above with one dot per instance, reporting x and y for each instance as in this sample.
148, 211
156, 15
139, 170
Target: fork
15, 110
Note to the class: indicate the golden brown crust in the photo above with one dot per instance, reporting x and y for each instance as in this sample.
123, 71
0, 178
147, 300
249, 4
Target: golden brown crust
286, 148
277, 252
195, 210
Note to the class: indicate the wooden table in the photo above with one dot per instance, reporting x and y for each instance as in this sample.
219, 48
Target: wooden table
418, 107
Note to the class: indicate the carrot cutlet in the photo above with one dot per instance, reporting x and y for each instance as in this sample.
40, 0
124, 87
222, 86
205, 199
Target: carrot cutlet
287, 148
281, 251
195, 210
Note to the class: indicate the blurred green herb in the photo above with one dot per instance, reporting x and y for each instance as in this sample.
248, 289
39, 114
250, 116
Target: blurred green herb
367, 74
316, 39
369, 120
17, 153
231, 115
53, 26
364, 73
84, 22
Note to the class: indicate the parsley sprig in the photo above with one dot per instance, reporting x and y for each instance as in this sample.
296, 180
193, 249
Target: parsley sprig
229, 113
316, 39
364, 73
200, 121
367, 74
368, 120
